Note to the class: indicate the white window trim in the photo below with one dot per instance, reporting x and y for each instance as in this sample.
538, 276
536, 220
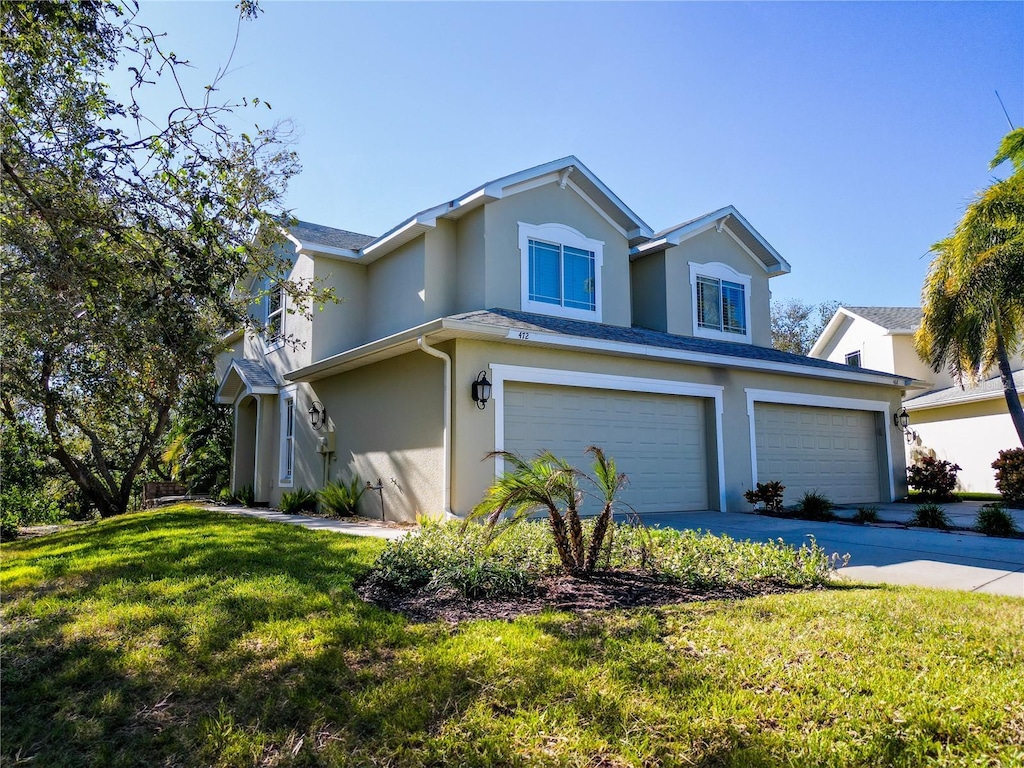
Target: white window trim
860, 359
501, 373
562, 235
288, 394
271, 344
720, 271
819, 401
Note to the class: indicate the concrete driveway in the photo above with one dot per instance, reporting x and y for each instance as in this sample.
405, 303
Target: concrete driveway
878, 554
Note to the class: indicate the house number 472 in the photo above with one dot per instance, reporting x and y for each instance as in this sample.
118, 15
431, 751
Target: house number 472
524, 335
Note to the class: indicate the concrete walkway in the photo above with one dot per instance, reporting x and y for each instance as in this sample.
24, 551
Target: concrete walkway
882, 553
369, 528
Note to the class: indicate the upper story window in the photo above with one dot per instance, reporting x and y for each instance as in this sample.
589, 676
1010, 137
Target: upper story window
721, 302
561, 271
853, 359
275, 313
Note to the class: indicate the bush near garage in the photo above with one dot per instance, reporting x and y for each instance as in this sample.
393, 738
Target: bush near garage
1009, 469
934, 478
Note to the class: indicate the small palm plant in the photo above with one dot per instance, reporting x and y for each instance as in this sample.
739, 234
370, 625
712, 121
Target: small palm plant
550, 484
337, 498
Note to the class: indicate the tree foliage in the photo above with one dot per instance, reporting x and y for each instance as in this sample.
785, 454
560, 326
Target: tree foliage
796, 325
126, 236
973, 295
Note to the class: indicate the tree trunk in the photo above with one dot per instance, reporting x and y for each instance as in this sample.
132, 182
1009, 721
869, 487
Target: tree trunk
1009, 388
597, 538
557, 523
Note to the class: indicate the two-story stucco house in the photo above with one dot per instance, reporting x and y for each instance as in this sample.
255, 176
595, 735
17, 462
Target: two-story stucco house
590, 327
965, 425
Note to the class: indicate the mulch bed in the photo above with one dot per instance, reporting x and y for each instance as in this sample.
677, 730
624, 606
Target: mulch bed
602, 591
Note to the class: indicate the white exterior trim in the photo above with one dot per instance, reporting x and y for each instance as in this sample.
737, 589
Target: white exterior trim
818, 401
562, 235
289, 392
501, 373
575, 187
720, 271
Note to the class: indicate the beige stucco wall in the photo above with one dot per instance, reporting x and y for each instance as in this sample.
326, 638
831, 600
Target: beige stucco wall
648, 291
906, 363
713, 246
342, 325
388, 423
395, 286
474, 430
543, 205
469, 262
971, 435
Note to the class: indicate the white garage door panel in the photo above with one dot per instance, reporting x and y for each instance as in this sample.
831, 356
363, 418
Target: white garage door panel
658, 440
825, 449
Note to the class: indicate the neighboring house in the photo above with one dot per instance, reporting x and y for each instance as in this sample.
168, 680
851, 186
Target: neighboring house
966, 425
591, 328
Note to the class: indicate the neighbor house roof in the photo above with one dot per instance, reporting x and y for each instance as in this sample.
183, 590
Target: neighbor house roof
515, 327
987, 390
893, 320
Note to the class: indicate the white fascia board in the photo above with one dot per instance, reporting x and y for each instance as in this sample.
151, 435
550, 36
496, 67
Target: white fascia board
645, 230
408, 231
757, 236
968, 397
317, 249
700, 358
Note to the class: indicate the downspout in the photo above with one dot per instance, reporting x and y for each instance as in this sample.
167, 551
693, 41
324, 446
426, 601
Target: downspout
446, 439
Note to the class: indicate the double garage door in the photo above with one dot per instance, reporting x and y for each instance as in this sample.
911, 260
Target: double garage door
660, 441
830, 450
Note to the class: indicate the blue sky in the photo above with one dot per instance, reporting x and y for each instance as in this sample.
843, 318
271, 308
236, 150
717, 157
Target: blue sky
851, 135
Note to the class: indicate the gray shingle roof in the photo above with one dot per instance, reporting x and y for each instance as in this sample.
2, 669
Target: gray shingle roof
951, 395
890, 318
529, 321
307, 231
255, 374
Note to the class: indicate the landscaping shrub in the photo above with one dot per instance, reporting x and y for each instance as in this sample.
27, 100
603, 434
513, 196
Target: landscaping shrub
866, 515
1009, 469
336, 498
299, 500
444, 556
994, 520
246, 496
8, 525
935, 478
931, 516
769, 495
815, 506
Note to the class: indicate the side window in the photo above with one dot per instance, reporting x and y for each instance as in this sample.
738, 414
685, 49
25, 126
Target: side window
721, 302
853, 359
287, 436
561, 271
275, 313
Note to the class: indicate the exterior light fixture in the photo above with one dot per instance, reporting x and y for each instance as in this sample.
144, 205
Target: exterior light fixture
902, 421
317, 414
481, 391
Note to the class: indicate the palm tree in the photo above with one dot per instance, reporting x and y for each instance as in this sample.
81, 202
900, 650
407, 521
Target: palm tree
550, 484
609, 483
542, 484
973, 296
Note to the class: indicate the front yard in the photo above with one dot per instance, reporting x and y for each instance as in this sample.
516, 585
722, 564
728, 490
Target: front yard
182, 637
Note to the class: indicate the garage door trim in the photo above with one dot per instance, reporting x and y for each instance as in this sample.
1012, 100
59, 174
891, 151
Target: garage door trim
819, 401
500, 373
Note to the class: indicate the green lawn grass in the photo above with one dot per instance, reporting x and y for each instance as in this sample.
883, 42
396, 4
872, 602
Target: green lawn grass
183, 637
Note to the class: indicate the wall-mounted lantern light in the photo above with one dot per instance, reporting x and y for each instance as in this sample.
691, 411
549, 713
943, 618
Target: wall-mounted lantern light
902, 421
481, 390
317, 414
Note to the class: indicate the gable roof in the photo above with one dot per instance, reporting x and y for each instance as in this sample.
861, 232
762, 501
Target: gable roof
245, 376
892, 320
312, 235
727, 220
989, 389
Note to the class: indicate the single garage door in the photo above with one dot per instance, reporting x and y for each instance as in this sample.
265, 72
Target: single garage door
831, 450
658, 440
